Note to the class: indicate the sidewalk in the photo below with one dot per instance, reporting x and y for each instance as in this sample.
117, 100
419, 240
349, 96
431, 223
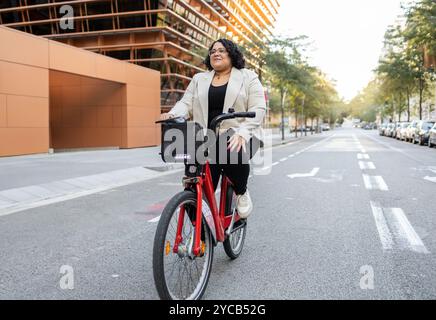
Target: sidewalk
35, 180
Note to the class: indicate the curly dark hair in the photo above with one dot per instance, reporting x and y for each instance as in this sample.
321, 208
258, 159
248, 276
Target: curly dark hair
235, 54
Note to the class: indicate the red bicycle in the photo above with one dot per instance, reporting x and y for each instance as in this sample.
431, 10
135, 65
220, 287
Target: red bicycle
191, 225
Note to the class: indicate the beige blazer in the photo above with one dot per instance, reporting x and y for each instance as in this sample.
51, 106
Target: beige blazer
244, 93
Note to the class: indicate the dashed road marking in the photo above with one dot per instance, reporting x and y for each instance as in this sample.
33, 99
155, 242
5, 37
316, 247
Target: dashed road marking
375, 183
395, 230
382, 226
361, 156
366, 165
313, 173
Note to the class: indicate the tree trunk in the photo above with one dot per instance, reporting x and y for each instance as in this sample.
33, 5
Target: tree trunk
296, 122
421, 92
282, 93
408, 104
305, 125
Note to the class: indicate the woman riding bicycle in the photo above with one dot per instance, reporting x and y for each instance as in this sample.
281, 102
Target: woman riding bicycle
227, 85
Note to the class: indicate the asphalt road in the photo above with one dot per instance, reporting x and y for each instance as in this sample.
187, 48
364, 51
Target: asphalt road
343, 215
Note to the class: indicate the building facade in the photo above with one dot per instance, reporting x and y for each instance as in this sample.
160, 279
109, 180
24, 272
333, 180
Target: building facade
171, 36
55, 96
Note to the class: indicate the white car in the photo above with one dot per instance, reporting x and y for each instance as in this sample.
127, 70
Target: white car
325, 127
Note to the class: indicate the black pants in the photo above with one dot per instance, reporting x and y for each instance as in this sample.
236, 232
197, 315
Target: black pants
238, 172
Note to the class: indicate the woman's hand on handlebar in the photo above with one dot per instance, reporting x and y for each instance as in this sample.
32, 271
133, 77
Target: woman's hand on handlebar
165, 116
236, 142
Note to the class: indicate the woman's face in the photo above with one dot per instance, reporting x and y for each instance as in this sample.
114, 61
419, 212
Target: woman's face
219, 57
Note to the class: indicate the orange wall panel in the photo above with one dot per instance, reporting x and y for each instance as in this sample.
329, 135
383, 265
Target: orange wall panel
135, 76
140, 137
28, 112
89, 117
119, 116
23, 80
136, 117
100, 137
3, 111
64, 58
142, 96
107, 69
105, 117
74, 97
16, 141
62, 79
71, 96
30, 50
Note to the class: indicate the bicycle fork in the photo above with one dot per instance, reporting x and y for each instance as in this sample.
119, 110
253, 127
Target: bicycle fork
195, 249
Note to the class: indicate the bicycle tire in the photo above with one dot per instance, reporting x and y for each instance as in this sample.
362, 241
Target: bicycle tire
159, 246
234, 248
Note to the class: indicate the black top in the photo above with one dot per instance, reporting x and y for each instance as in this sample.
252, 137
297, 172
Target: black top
216, 101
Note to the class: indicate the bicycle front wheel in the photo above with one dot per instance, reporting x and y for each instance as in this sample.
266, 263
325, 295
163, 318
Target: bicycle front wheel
180, 275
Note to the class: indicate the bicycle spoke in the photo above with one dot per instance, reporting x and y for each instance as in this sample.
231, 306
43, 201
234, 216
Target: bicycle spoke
184, 274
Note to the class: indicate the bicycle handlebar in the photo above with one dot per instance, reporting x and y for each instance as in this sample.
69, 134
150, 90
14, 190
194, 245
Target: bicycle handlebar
172, 120
231, 115
217, 120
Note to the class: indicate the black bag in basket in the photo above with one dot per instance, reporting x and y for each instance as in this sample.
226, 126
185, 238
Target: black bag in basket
180, 141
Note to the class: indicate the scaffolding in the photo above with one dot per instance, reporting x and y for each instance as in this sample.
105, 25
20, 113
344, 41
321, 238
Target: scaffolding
171, 36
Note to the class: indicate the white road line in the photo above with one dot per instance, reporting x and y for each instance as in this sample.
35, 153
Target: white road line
431, 179
275, 163
395, 230
265, 168
375, 183
313, 173
403, 230
382, 226
366, 165
361, 156
154, 220
283, 160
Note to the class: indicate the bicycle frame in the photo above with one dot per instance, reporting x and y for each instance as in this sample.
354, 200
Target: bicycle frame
204, 185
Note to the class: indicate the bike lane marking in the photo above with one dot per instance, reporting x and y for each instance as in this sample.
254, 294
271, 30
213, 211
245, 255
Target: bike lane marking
395, 230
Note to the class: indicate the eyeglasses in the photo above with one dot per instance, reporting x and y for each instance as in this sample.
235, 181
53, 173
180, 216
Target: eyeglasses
221, 51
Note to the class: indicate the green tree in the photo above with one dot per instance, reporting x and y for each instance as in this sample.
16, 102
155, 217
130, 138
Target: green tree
420, 34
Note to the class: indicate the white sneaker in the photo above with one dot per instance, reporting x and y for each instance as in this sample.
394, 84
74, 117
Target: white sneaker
244, 205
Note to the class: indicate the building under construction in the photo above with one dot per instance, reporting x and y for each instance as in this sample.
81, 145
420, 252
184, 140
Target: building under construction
171, 36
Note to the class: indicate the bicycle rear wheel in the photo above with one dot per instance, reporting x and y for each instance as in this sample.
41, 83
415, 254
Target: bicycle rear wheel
234, 243
181, 275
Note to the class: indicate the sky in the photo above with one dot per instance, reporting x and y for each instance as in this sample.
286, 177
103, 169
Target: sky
346, 36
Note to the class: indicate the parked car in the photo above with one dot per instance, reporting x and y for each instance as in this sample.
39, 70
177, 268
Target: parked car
394, 129
369, 126
389, 130
432, 137
325, 127
382, 128
422, 132
410, 131
401, 130
397, 128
